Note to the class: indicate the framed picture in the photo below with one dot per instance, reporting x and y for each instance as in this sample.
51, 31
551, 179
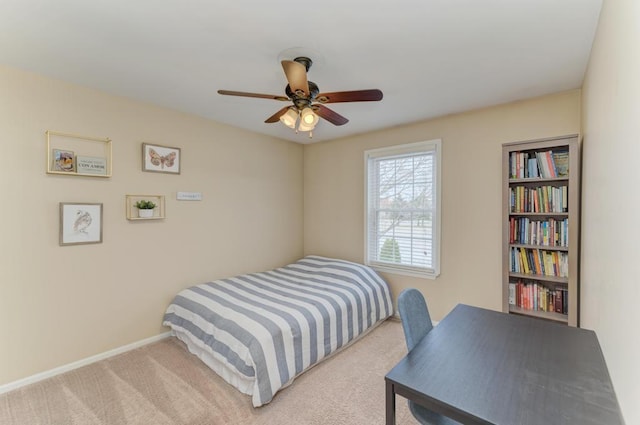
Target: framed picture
63, 160
80, 223
160, 159
91, 165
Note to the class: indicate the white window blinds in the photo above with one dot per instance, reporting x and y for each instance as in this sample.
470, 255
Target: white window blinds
403, 208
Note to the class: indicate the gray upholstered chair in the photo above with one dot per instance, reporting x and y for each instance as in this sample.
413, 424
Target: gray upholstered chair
416, 323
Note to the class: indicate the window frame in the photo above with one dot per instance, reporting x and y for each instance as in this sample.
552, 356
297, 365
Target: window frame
434, 146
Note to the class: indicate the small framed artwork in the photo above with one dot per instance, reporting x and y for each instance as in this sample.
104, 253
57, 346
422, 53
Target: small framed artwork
80, 223
160, 159
63, 160
91, 165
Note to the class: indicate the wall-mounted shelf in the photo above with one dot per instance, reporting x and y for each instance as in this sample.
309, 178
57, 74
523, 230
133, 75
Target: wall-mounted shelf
75, 155
132, 211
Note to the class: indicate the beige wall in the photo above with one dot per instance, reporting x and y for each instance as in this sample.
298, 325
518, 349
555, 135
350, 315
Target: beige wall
62, 304
471, 193
611, 178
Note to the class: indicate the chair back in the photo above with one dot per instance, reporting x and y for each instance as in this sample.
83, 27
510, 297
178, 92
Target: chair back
414, 313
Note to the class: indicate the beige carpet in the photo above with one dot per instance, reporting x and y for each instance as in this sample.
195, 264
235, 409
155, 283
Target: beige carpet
162, 383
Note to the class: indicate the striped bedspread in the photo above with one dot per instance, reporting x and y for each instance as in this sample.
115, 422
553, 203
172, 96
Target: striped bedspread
270, 327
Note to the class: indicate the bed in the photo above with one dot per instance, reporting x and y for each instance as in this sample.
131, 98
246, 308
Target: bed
259, 331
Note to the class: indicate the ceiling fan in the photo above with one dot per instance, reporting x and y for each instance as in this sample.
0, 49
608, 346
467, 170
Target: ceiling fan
308, 102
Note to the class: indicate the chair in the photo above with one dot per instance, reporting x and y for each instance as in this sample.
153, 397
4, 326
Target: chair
416, 323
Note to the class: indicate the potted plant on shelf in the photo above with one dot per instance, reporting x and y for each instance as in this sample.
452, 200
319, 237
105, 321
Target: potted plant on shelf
145, 208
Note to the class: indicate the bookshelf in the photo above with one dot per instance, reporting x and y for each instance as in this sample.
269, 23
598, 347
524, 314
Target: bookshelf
541, 228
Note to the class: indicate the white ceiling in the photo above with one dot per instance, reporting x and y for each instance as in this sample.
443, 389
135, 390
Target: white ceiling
429, 57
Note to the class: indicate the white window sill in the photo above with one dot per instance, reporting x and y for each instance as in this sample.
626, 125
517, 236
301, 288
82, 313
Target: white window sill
405, 271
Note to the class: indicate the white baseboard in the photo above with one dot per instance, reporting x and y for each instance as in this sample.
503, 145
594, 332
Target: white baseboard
75, 365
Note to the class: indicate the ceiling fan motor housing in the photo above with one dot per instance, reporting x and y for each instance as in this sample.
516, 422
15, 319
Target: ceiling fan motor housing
299, 99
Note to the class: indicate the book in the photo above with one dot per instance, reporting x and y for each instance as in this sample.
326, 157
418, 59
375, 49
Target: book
512, 293
525, 263
542, 165
552, 166
546, 164
561, 160
533, 168
538, 263
558, 301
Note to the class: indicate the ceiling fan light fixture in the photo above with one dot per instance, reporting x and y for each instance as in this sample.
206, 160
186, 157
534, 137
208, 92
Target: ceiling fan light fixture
303, 127
308, 118
289, 118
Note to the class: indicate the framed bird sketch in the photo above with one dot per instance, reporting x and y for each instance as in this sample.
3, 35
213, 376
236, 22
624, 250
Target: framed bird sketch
160, 159
80, 223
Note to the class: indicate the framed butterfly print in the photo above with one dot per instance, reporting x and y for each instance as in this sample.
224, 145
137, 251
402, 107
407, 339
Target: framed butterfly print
160, 159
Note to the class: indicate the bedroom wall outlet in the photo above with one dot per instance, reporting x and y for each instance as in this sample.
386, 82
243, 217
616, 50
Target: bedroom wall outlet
189, 196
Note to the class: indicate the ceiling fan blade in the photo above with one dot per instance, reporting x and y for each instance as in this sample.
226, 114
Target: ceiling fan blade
350, 96
296, 76
330, 115
276, 117
245, 94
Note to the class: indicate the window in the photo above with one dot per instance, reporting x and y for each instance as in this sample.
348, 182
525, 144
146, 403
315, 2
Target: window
403, 209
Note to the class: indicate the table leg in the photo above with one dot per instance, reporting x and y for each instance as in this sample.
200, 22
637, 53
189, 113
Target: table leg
390, 404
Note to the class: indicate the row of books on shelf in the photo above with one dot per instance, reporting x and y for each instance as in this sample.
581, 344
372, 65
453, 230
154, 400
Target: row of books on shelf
535, 296
543, 164
549, 232
539, 262
542, 199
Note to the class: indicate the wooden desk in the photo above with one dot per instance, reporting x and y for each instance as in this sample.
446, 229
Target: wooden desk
484, 367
